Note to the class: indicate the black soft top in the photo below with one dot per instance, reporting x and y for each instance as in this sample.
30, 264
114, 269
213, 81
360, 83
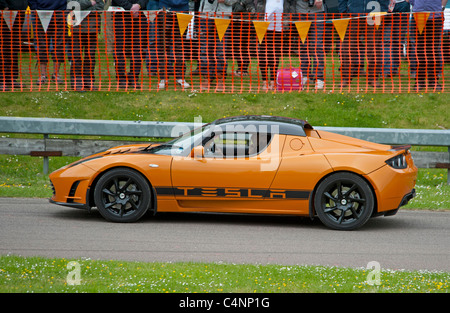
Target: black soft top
267, 123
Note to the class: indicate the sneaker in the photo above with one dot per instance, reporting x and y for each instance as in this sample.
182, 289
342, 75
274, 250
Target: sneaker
268, 86
304, 82
183, 83
320, 84
220, 87
162, 84
240, 73
41, 80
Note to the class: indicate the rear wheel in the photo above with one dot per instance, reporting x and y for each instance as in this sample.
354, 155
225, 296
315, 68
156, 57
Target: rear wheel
344, 201
122, 195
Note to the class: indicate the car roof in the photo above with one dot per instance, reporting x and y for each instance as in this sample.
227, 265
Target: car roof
267, 123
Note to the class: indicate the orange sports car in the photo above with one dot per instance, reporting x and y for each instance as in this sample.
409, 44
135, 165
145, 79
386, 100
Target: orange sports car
244, 164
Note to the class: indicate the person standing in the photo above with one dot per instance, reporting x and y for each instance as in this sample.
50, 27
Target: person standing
84, 39
395, 28
427, 59
169, 42
10, 43
362, 41
130, 29
271, 48
312, 51
243, 34
213, 63
54, 37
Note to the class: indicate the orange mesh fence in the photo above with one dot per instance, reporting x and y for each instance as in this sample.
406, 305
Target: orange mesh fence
239, 52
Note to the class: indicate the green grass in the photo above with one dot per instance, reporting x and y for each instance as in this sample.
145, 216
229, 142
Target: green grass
423, 111
42, 275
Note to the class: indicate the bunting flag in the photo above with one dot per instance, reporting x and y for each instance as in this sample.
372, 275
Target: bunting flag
150, 15
74, 18
183, 21
375, 18
9, 17
303, 29
221, 26
261, 29
45, 18
341, 26
421, 20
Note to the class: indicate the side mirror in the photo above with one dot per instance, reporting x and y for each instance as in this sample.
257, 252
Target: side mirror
198, 152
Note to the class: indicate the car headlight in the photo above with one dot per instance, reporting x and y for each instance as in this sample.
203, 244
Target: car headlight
398, 162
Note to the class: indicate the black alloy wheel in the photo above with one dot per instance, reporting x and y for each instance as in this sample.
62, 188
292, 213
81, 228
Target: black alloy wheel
122, 195
344, 201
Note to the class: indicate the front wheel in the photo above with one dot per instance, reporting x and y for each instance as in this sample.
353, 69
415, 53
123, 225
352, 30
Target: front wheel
122, 195
344, 201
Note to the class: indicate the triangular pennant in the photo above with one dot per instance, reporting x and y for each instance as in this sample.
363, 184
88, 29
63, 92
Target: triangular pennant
45, 17
183, 21
221, 26
261, 29
75, 17
303, 29
341, 26
375, 18
9, 17
421, 20
150, 15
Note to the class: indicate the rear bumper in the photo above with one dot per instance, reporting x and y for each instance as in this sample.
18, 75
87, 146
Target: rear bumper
404, 201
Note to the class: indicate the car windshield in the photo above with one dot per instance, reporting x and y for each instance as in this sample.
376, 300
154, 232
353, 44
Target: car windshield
182, 145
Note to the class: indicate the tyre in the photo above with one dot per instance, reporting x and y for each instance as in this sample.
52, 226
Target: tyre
122, 195
344, 201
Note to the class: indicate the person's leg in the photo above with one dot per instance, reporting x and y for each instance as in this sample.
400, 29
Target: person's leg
139, 33
317, 50
119, 48
89, 61
76, 59
59, 40
42, 49
434, 53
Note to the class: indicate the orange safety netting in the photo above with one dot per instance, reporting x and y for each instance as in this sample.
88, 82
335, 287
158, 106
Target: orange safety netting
239, 52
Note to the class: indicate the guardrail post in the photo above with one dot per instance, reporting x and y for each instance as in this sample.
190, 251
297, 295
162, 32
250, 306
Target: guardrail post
45, 165
448, 170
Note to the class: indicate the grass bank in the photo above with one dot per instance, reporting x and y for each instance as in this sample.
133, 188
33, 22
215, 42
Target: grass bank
420, 111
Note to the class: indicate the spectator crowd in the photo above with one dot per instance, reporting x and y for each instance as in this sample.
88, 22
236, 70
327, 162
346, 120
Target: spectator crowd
149, 33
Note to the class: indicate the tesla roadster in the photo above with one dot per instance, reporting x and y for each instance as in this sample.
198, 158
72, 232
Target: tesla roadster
244, 164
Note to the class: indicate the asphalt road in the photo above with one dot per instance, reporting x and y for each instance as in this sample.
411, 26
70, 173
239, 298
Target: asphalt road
410, 240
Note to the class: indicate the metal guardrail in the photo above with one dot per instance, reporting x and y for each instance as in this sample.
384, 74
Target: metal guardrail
56, 126
148, 129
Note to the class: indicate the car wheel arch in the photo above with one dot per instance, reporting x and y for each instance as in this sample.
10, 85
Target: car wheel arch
154, 202
312, 212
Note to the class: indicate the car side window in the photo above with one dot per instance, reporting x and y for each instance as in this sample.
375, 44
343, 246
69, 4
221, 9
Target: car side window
236, 144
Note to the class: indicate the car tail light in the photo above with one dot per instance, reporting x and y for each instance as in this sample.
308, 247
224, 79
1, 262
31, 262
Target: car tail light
398, 162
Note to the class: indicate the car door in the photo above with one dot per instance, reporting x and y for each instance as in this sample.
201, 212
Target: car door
231, 165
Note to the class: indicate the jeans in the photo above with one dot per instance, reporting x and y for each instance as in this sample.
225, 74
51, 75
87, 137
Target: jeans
425, 51
395, 29
312, 53
213, 63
